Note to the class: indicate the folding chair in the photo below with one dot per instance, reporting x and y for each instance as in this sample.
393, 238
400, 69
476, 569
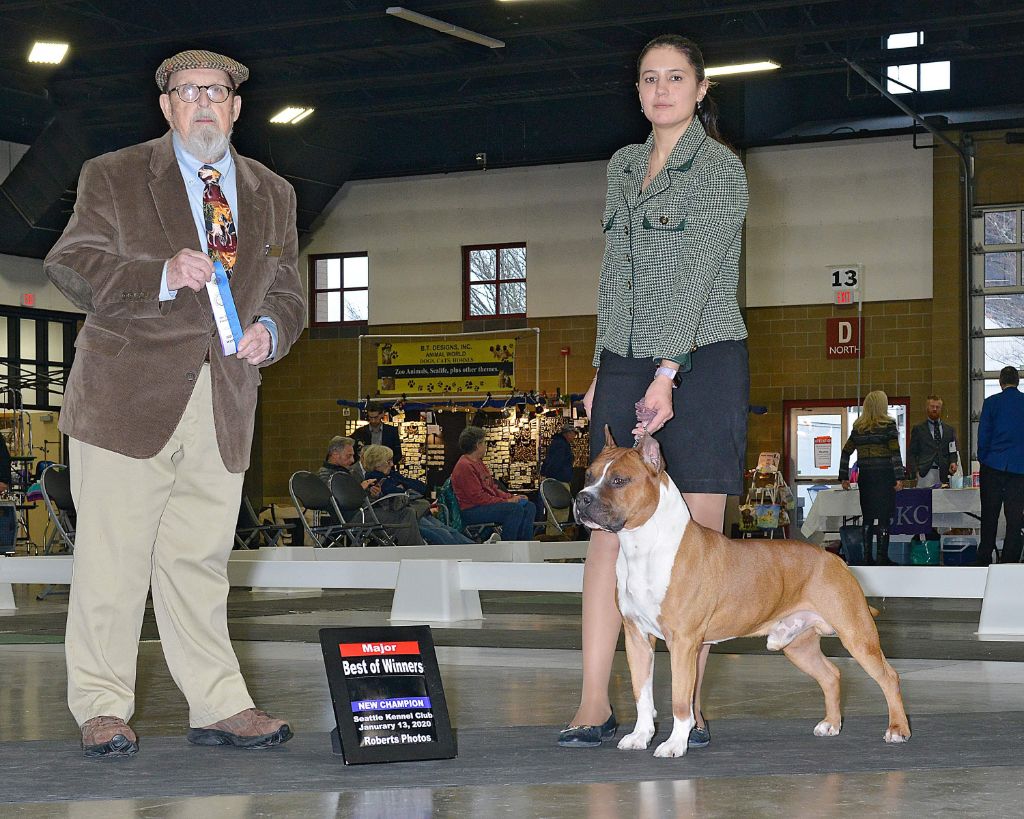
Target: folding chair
358, 512
55, 486
250, 533
556, 498
450, 514
310, 494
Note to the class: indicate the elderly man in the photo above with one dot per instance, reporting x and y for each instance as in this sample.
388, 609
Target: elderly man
341, 457
161, 400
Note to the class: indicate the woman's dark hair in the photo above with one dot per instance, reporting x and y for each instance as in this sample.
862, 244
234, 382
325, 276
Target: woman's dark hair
470, 438
707, 109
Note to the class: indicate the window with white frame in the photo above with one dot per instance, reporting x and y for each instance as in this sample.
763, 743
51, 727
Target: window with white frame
997, 299
906, 78
339, 288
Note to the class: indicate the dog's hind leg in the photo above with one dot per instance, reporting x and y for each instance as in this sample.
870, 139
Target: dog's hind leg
640, 654
856, 630
805, 653
683, 653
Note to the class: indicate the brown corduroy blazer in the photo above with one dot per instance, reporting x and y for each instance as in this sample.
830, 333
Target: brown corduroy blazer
137, 358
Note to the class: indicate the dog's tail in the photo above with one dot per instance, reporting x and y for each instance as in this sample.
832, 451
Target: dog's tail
874, 612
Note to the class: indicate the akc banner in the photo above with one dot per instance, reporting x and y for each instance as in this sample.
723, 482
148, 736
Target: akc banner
446, 366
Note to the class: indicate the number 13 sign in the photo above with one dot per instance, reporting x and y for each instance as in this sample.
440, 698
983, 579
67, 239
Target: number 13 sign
845, 276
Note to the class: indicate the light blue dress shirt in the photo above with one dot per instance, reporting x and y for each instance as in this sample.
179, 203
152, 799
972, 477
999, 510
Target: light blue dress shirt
194, 187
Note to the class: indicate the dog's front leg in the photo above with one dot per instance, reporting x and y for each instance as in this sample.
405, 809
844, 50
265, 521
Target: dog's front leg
683, 653
640, 654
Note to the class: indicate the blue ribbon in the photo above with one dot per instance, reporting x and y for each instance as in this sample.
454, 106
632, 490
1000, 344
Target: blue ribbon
224, 289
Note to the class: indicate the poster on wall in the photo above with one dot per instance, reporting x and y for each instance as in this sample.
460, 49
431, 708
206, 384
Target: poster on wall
446, 367
823, 452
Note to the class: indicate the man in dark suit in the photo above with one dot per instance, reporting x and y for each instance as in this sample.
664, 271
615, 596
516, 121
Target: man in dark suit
932, 455
1001, 452
377, 432
161, 400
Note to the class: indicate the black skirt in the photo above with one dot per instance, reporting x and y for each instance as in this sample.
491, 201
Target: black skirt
704, 444
877, 495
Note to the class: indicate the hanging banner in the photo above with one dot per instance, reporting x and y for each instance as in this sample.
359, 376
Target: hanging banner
445, 367
823, 452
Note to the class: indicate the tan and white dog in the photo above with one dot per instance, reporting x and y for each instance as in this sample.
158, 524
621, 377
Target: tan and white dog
689, 585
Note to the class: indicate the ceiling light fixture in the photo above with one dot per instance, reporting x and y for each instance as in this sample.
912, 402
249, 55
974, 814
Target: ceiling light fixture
51, 53
740, 68
291, 115
443, 27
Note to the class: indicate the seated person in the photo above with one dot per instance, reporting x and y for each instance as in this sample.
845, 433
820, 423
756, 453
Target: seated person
480, 498
341, 459
378, 461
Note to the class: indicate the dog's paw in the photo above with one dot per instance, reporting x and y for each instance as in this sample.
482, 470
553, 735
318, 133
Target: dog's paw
827, 729
671, 748
895, 736
636, 741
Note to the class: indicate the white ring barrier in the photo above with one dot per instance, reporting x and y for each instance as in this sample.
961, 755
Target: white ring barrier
441, 584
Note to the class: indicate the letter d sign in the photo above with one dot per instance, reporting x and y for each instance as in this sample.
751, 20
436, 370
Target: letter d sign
845, 332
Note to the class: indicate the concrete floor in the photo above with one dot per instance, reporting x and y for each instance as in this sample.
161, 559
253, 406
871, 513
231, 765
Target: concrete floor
496, 687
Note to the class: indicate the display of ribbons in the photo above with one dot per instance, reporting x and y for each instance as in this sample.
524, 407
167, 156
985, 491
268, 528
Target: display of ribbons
222, 245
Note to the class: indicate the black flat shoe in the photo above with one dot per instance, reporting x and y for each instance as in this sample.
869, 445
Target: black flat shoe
699, 737
588, 736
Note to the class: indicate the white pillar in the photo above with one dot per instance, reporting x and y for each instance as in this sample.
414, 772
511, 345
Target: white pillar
430, 591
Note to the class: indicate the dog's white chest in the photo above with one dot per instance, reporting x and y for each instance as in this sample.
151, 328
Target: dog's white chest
646, 557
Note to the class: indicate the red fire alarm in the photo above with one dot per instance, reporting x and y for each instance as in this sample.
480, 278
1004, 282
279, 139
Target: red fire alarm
566, 350
28, 299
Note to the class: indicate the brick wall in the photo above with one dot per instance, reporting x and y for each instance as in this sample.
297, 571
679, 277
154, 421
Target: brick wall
788, 360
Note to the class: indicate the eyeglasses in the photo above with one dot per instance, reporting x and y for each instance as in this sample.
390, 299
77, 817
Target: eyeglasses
190, 92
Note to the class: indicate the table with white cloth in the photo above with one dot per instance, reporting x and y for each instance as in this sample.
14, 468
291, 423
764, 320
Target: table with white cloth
951, 508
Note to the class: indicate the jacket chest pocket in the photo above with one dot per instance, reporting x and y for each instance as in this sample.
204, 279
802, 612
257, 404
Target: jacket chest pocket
665, 220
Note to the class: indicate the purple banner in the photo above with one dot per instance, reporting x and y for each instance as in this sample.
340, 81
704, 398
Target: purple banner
400, 703
913, 513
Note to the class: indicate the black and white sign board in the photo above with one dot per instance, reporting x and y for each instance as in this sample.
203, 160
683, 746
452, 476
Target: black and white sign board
387, 694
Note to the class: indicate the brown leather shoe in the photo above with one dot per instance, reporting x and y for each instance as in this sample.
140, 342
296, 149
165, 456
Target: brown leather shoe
251, 728
108, 736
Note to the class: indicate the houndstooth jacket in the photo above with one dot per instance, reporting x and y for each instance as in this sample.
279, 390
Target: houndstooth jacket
671, 259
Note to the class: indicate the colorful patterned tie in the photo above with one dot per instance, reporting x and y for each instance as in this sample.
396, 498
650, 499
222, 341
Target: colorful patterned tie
221, 239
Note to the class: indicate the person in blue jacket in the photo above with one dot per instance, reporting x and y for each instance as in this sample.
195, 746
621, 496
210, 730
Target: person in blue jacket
1001, 453
378, 464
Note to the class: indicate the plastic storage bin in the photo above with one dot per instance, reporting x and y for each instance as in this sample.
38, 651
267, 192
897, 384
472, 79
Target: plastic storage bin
900, 550
959, 550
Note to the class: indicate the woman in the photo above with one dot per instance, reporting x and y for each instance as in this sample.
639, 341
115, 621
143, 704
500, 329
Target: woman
877, 442
667, 318
379, 465
480, 498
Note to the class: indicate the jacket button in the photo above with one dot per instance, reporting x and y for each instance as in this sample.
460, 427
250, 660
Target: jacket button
664, 220
190, 376
626, 230
629, 285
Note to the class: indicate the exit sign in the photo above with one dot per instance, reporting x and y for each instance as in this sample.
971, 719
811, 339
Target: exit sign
844, 297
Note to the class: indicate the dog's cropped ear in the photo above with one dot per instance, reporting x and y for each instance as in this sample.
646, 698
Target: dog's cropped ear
650, 450
609, 441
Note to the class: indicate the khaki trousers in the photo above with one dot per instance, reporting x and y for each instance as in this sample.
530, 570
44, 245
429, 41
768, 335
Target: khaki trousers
165, 523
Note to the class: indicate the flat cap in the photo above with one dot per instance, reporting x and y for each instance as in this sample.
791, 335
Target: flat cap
185, 60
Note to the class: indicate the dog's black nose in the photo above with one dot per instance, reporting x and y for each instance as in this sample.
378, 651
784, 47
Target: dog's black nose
584, 499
